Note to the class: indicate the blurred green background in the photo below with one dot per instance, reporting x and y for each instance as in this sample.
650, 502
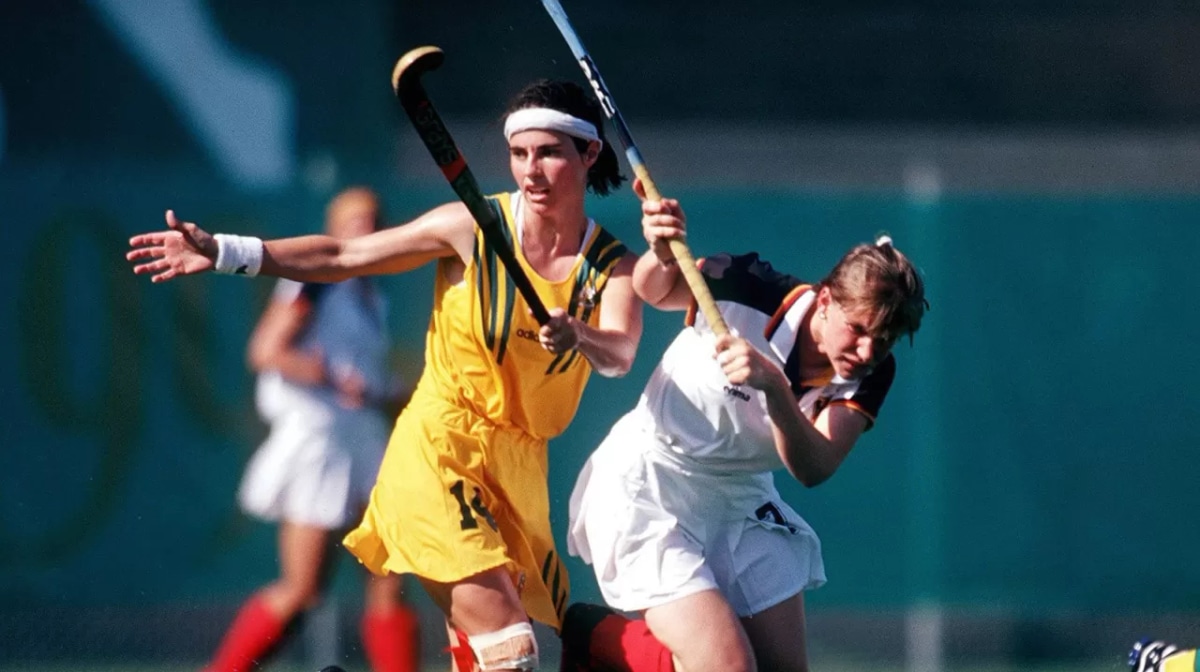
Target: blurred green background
1027, 498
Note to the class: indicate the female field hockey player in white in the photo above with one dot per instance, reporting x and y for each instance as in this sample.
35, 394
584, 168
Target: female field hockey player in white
320, 352
677, 509
462, 500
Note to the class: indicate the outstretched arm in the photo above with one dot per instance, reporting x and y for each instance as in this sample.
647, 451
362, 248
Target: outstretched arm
184, 249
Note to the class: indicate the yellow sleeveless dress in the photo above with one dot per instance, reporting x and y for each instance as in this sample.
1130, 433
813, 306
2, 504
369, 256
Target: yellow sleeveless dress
463, 484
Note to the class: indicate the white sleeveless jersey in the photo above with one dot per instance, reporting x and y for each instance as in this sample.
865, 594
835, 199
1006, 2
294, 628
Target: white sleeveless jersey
704, 423
320, 459
348, 326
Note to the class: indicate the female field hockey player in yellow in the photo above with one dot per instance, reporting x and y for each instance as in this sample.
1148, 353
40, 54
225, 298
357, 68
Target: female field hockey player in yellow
461, 500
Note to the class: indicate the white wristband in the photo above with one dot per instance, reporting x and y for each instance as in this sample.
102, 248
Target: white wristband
238, 255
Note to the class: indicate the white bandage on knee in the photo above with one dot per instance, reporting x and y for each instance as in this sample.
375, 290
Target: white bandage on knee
238, 255
513, 648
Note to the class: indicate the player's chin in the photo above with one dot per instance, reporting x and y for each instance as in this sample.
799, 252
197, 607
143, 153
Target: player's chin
846, 369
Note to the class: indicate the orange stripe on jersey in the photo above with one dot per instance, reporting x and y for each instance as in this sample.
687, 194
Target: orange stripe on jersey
820, 381
782, 310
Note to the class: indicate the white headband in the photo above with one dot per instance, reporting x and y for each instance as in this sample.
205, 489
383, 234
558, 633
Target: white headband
546, 119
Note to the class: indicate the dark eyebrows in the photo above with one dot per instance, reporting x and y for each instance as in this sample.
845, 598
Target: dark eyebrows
555, 144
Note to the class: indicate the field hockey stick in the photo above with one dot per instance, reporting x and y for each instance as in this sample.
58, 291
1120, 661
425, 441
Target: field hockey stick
406, 82
683, 255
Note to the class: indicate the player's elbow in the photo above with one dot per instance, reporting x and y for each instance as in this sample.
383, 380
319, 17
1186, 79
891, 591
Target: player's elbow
610, 353
811, 470
258, 357
616, 367
665, 297
613, 371
626, 356
812, 478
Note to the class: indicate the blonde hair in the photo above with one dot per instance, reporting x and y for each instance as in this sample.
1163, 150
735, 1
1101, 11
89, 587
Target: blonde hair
348, 206
881, 281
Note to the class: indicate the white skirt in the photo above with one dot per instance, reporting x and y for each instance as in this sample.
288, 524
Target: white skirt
316, 467
655, 532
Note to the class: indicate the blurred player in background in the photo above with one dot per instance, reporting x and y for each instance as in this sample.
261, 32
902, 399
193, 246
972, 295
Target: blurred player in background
325, 388
1158, 656
677, 509
462, 498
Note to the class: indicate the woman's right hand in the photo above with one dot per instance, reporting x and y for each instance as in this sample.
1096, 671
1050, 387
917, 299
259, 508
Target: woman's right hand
662, 222
182, 250
350, 384
743, 364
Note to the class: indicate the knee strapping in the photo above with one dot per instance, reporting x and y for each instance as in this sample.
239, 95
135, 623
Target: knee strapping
512, 648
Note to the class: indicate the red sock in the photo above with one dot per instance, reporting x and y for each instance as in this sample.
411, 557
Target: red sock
392, 640
253, 633
629, 646
463, 655
601, 638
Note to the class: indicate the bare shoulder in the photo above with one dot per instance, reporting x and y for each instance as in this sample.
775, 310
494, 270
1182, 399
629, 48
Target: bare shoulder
625, 266
619, 289
449, 224
451, 215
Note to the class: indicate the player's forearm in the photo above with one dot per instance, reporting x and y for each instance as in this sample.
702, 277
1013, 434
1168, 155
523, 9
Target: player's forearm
301, 368
307, 259
656, 284
806, 453
610, 353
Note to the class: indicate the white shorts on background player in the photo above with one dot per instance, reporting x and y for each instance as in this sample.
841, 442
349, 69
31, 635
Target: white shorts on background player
680, 497
319, 462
